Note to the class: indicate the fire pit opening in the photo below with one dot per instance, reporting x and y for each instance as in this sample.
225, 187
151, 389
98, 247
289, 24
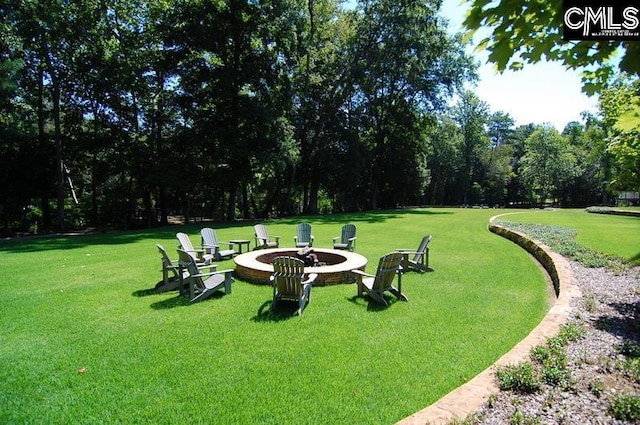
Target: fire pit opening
324, 258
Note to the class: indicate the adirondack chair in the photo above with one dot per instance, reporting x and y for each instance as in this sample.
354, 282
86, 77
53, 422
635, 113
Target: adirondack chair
170, 277
376, 285
186, 245
347, 240
262, 238
418, 259
304, 238
289, 283
201, 285
211, 245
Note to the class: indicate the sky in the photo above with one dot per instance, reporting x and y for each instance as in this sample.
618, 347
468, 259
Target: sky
539, 93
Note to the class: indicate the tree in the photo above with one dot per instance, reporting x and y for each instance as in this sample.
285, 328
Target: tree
321, 87
472, 116
444, 161
620, 107
547, 163
516, 191
531, 31
405, 66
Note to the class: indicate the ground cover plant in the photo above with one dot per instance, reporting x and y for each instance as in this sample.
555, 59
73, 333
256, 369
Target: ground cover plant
85, 339
594, 239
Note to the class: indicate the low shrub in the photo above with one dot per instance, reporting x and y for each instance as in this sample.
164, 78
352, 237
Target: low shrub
523, 378
625, 407
597, 387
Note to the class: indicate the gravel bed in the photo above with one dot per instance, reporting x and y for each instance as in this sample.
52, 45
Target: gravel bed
609, 312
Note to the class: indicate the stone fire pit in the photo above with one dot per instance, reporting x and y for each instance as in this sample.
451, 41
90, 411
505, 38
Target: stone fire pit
255, 266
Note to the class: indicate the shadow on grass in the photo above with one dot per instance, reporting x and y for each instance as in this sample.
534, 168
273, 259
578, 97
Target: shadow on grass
285, 311
363, 217
182, 301
174, 302
62, 242
153, 291
635, 260
39, 243
370, 304
145, 292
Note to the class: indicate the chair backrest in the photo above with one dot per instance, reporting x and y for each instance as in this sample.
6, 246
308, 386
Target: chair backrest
209, 236
185, 242
422, 249
188, 262
388, 267
304, 232
348, 232
288, 273
261, 233
166, 261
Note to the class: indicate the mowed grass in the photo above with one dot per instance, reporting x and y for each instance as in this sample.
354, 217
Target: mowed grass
84, 338
610, 234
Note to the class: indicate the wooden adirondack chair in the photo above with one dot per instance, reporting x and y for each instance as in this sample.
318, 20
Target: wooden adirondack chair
289, 283
170, 277
418, 259
376, 285
262, 238
347, 240
304, 238
186, 245
202, 285
211, 245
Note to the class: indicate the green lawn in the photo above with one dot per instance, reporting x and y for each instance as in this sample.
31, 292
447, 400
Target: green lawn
84, 339
611, 234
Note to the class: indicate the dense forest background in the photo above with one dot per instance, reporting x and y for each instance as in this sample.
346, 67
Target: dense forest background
120, 113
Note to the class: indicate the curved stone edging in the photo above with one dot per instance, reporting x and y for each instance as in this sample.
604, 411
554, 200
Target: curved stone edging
470, 397
626, 213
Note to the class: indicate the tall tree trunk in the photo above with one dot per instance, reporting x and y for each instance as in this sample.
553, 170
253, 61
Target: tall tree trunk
55, 98
42, 139
314, 188
231, 206
245, 201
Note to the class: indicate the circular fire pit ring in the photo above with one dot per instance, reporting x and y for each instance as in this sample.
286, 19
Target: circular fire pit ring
255, 266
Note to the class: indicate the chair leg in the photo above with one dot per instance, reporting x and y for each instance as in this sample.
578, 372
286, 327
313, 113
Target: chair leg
398, 294
227, 284
378, 298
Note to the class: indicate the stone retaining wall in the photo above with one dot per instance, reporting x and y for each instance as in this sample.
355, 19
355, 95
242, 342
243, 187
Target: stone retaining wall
470, 397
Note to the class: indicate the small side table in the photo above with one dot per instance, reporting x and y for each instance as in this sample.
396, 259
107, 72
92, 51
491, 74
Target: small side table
239, 243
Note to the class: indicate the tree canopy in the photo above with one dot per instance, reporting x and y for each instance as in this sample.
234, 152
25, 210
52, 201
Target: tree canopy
531, 31
240, 109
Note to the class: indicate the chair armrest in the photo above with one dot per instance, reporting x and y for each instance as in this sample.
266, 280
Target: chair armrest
353, 238
408, 251
361, 273
212, 273
336, 238
310, 278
